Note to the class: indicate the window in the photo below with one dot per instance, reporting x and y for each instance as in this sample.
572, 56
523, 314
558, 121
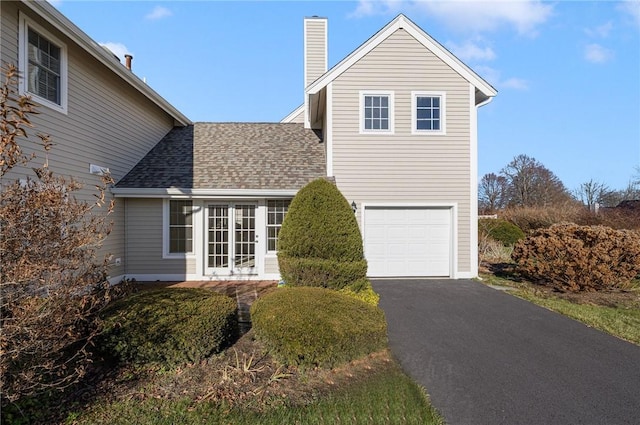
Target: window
428, 112
376, 112
180, 227
43, 63
276, 210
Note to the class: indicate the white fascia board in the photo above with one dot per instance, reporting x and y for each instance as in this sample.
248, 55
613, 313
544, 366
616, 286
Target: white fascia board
293, 114
69, 29
202, 193
402, 22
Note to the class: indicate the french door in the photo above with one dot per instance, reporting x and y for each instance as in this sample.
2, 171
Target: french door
230, 239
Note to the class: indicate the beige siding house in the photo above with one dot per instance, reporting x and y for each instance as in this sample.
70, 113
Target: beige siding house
393, 124
98, 113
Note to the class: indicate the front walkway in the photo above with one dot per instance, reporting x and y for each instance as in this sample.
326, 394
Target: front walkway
487, 357
244, 291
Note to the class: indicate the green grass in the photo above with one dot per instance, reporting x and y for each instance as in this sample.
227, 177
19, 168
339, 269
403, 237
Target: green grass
385, 397
622, 322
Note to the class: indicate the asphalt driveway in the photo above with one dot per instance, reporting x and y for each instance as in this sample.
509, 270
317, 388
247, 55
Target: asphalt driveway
486, 357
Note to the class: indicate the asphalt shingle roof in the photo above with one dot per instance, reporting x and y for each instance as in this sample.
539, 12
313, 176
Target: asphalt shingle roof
231, 156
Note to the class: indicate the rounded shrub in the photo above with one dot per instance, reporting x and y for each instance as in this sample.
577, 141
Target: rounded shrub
500, 230
361, 289
309, 327
579, 258
320, 243
169, 326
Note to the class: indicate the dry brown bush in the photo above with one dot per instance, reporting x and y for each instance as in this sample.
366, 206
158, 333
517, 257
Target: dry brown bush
50, 280
532, 218
579, 258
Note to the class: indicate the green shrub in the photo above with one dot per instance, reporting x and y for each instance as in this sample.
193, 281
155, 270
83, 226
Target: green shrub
320, 243
309, 327
320, 272
171, 326
361, 289
501, 230
579, 258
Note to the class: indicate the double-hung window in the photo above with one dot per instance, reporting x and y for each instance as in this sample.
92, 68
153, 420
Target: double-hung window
276, 210
43, 64
376, 112
180, 227
428, 113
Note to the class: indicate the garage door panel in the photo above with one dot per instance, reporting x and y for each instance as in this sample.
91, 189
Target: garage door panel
408, 241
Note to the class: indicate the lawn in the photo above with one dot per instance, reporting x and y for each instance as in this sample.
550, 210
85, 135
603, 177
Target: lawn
385, 396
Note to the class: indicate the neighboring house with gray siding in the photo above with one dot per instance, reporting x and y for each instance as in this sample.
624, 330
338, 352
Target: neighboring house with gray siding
394, 124
97, 112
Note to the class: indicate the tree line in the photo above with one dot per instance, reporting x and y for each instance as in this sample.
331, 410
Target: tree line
526, 182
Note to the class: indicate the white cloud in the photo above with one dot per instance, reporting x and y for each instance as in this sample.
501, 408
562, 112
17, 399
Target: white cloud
117, 49
494, 77
632, 8
474, 15
470, 51
515, 83
595, 53
601, 31
158, 12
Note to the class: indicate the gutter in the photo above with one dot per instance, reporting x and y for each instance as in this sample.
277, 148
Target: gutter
201, 193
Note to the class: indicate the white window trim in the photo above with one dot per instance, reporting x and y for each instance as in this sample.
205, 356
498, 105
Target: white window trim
25, 24
391, 96
270, 252
165, 232
443, 112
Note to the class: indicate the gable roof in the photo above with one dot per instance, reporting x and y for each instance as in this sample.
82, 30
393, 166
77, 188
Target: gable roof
206, 157
402, 22
79, 37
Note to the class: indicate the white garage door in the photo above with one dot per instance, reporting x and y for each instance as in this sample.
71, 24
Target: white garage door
408, 241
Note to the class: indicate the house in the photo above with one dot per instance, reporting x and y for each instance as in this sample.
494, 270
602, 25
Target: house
394, 124
99, 114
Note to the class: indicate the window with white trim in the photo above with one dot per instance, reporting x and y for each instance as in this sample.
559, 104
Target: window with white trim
428, 109
43, 64
376, 112
276, 210
180, 226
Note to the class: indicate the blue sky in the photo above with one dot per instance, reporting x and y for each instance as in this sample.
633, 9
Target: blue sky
567, 72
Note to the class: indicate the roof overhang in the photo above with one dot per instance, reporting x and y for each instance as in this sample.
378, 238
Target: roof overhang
69, 29
201, 193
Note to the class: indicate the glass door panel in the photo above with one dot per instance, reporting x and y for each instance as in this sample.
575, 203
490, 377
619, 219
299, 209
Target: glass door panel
218, 241
245, 237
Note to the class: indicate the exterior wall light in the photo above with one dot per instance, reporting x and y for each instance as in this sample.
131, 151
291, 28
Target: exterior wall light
354, 207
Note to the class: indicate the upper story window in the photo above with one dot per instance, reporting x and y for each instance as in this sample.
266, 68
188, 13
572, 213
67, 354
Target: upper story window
428, 113
43, 63
276, 210
180, 227
376, 112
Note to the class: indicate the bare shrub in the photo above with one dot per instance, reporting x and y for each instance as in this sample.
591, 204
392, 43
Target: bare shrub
491, 251
579, 258
533, 218
52, 284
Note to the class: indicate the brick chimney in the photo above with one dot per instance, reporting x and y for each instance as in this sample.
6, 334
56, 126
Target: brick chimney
315, 48
127, 61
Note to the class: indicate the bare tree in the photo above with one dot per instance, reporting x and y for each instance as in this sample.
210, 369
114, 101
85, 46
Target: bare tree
592, 192
492, 193
532, 184
51, 282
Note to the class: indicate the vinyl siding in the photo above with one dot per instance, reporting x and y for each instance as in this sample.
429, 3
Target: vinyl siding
144, 241
315, 49
271, 265
402, 167
108, 123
